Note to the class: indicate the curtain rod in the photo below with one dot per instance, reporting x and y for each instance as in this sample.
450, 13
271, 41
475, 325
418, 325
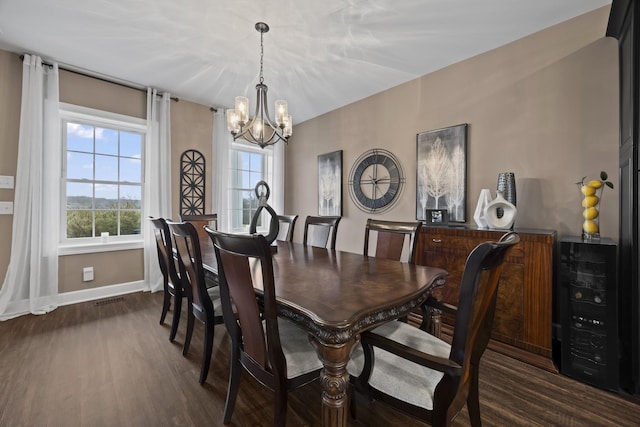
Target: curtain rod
97, 77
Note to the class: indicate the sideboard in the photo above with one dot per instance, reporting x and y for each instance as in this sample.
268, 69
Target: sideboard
522, 326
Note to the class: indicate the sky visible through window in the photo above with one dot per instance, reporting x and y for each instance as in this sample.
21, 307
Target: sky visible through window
116, 160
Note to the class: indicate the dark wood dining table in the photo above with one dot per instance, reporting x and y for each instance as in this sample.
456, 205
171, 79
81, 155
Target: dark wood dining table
335, 296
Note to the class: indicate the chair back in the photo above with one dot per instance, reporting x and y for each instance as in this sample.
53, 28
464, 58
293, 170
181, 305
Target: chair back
318, 229
477, 300
391, 237
187, 244
244, 264
287, 225
164, 245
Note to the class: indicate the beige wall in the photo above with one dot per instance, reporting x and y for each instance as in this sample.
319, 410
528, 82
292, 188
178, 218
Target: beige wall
191, 127
109, 268
10, 96
544, 107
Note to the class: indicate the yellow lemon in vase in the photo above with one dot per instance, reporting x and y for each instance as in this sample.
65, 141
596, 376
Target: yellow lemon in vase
590, 226
588, 190
595, 183
590, 213
590, 201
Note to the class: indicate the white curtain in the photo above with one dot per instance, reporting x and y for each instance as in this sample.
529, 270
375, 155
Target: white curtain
31, 282
222, 143
157, 179
277, 202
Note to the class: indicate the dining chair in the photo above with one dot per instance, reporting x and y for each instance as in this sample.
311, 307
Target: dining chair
391, 238
204, 302
287, 225
390, 242
273, 350
199, 221
318, 229
172, 284
423, 375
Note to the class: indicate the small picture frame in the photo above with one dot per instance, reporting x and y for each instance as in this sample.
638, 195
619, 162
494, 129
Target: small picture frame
436, 217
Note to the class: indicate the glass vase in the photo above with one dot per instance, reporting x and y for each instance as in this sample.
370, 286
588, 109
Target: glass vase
590, 212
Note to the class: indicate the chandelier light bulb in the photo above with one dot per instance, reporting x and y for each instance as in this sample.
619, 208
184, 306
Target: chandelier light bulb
242, 109
258, 129
281, 112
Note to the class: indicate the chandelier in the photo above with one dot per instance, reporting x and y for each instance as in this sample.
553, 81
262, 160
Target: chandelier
259, 129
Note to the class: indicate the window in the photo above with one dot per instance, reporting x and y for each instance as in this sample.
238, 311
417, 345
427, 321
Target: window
249, 165
102, 177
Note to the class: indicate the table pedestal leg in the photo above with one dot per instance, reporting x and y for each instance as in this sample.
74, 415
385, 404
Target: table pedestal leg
335, 381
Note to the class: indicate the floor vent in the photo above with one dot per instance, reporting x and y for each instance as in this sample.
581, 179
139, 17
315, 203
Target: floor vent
110, 301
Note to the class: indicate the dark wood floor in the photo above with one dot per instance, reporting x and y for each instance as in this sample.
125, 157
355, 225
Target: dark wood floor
110, 364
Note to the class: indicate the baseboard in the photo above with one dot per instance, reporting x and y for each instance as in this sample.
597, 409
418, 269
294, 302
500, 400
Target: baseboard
22, 307
85, 295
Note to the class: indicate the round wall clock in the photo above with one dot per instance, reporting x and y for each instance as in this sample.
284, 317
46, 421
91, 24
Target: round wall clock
376, 180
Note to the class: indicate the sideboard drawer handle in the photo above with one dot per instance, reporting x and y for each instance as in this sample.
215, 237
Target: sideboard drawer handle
436, 240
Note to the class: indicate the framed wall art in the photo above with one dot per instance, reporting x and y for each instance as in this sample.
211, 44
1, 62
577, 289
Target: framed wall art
442, 172
330, 184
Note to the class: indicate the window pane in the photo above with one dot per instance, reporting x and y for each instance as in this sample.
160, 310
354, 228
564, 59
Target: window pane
233, 160
255, 178
79, 224
106, 168
131, 144
79, 195
236, 179
246, 179
129, 222
130, 197
237, 200
79, 166
256, 162
107, 221
245, 161
107, 141
106, 196
79, 137
130, 170
236, 219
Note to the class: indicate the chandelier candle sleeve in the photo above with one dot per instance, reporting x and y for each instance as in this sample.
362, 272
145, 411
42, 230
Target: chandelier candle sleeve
281, 113
242, 109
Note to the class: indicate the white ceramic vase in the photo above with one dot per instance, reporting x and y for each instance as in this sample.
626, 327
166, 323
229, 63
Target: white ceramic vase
505, 222
483, 201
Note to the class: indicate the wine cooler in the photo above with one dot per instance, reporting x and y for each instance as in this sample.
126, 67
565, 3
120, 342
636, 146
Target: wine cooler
587, 306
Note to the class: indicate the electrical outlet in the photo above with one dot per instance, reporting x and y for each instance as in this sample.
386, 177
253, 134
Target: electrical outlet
6, 208
87, 274
6, 181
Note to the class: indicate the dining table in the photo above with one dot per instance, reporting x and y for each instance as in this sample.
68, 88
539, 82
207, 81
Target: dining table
335, 296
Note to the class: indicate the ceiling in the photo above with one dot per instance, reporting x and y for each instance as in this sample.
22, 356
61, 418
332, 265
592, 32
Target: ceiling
318, 55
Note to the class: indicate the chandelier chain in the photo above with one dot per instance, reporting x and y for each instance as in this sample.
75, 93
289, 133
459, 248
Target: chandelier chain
261, 56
